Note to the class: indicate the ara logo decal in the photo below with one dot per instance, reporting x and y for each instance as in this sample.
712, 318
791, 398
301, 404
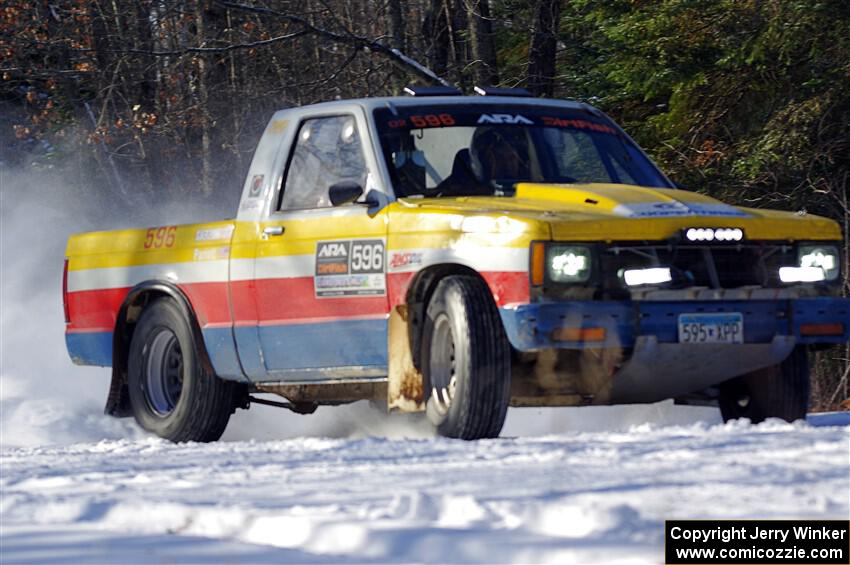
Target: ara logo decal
504, 119
333, 249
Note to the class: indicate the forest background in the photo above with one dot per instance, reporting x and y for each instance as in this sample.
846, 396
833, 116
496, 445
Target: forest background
140, 101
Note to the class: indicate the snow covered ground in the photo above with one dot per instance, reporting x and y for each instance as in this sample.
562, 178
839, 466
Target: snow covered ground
581, 485
574, 496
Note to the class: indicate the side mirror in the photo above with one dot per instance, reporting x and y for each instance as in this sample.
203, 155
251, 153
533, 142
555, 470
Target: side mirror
344, 192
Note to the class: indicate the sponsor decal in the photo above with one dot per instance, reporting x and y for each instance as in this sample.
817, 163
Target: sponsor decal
160, 237
256, 186
670, 209
405, 259
213, 234
577, 124
350, 268
212, 253
504, 119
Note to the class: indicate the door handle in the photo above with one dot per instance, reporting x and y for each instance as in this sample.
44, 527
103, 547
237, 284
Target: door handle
273, 230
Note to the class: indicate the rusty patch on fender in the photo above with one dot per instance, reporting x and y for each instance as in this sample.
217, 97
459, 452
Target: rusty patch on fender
402, 311
405, 389
412, 386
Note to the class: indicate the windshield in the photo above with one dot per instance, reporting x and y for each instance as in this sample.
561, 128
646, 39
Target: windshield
486, 149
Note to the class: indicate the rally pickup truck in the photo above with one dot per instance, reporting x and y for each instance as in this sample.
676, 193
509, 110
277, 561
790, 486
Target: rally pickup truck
455, 255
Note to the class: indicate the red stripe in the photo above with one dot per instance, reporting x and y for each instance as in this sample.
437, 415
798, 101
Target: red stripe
94, 309
397, 287
210, 302
98, 309
507, 286
295, 299
269, 301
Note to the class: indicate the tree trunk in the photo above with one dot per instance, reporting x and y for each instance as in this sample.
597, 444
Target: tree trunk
458, 41
544, 43
483, 47
436, 33
395, 23
146, 98
203, 103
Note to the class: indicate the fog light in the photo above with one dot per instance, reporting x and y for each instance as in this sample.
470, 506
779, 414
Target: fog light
800, 274
654, 275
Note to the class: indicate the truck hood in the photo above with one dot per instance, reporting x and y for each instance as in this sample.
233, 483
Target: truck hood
628, 212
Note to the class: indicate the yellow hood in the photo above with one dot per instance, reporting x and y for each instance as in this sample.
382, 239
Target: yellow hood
626, 212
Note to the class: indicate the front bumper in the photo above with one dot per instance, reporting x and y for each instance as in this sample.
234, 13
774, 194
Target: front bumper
655, 366
531, 327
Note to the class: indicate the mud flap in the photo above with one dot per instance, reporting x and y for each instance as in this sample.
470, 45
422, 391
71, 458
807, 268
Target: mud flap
405, 388
118, 399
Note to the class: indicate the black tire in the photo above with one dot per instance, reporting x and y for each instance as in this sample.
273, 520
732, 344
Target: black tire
171, 393
780, 391
463, 338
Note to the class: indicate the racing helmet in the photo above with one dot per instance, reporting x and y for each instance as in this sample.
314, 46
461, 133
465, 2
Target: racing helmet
499, 152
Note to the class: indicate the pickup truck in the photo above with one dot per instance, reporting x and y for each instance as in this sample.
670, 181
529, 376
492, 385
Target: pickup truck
455, 255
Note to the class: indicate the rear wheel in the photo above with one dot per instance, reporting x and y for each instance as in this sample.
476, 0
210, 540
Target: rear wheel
466, 360
780, 391
171, 394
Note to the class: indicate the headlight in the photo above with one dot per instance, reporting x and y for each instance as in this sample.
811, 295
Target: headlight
824, 257
569, 263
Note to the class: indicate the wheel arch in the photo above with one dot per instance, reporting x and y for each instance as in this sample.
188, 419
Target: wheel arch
405, 388
419, 293
137, 299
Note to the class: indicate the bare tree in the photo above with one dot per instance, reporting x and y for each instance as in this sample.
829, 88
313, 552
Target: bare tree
544, 43
485, 69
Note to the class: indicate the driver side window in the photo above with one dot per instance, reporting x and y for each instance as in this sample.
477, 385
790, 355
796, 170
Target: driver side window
327, 151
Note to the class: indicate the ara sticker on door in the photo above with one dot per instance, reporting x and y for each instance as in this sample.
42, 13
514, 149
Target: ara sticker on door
350, 268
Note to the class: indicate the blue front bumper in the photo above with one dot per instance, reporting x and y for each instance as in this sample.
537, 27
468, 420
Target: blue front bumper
530, 327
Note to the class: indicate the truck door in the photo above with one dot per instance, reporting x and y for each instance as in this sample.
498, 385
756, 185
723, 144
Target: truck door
320, 270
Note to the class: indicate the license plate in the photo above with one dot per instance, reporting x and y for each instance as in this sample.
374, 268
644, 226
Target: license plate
726, 327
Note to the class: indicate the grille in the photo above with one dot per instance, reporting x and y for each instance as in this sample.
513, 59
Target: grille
735, 266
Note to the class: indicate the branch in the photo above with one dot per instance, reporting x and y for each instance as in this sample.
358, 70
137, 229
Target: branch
251, 45
395, 56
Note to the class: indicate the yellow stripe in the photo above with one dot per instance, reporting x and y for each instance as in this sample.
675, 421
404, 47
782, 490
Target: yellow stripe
126, 248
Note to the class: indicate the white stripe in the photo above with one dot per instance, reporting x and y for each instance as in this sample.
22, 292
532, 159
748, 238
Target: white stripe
289, 266
122, 277
242, 269
480, 258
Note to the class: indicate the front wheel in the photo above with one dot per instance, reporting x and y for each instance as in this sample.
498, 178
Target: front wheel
171, 393
466, 360
779, 391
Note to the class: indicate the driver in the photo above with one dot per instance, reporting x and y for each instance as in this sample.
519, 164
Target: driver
495, 155
498, 153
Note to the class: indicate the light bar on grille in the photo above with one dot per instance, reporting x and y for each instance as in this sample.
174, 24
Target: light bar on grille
721, 235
